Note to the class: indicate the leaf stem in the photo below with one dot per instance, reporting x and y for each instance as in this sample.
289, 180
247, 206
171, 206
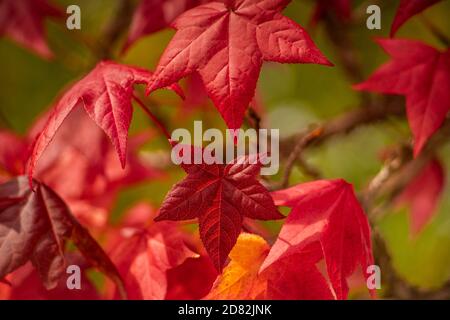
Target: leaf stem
435, 31
152, 117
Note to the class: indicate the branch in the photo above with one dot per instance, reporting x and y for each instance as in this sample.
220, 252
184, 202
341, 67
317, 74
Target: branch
340, 125
338, 33
408, 168
391, 180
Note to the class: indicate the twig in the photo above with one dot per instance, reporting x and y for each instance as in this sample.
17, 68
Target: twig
397, 180
435, 31
153, 117
339, 36
341, 125
308, 169
391, 180
298, 148
255, 118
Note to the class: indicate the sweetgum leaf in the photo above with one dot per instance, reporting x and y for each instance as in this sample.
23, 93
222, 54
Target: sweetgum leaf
36, 227
219, 196
326, 221
226, 43
105, 94
422, 74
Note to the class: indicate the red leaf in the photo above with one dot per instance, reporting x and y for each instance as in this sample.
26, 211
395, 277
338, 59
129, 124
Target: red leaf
87, 176
105, 93
144, 256
293, 278
297, 277
196, 95
226, 44
422, 74
23, 22
154, 15
26, 284
325, 213
423, 194
37, 228
191, 280
407, 9
219, 196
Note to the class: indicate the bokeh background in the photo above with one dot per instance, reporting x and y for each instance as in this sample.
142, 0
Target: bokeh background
292, 97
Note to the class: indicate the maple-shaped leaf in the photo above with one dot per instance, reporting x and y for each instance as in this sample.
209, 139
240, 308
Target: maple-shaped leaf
220, 195
226, 43
35, 226
326, 220
407, 9
293, 278
154, 15
23, 22
422, 74
144, 255
105, 94
422, 194
87, 176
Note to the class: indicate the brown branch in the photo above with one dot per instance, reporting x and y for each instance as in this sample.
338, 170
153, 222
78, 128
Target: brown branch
409, 167
338, 33
340, 125
254, 118
391, 180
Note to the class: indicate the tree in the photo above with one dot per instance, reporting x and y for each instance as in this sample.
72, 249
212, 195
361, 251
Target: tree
89, 182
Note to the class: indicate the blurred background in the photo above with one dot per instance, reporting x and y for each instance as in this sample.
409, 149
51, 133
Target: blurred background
289, 97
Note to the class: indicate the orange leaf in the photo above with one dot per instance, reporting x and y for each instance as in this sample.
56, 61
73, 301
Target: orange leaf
240, 279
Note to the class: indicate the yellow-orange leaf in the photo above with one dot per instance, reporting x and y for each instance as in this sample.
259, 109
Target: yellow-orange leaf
240, 279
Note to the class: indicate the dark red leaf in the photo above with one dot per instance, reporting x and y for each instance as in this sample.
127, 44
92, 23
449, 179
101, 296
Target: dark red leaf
219, 196
37, 228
